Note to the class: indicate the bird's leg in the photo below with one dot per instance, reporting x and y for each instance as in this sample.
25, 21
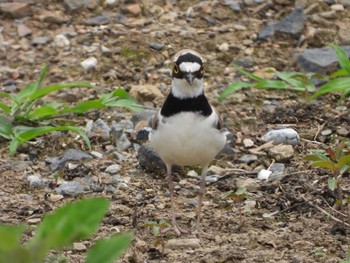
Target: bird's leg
198, 230
176, 228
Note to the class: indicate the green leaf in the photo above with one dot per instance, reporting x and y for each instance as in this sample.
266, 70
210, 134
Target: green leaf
31, 133
68, 224
344, 160
331, 86
248, 74
241, 190
43, 111
332, 183
325, 164
46, 90
343, 58
5, 128
149, 224
42, 75
85, 106
233, 88
339, 73
122, 94
316, 157
5, 108
271, 84
107, 251
25, 93
10, 237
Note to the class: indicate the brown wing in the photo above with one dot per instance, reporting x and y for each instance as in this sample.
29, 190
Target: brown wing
219, 123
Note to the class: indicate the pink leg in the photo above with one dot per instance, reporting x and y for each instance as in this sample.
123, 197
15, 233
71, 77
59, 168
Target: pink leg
198, 230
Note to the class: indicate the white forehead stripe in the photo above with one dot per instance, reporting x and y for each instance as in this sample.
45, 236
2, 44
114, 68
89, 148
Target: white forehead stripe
189, 66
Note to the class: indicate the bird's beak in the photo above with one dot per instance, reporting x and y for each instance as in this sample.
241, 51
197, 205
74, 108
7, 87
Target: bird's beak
189, 77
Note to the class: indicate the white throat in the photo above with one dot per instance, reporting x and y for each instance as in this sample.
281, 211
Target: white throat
182, 89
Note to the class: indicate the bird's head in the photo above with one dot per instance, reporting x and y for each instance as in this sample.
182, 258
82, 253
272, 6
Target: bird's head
187, 74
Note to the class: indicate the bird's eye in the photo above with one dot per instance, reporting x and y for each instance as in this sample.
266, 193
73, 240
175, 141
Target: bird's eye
176, 69
202, 70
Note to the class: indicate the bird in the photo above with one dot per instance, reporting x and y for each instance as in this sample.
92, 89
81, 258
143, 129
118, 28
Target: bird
187, 130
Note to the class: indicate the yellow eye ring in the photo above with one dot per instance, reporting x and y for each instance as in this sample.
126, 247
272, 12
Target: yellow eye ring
202, 70
176, 69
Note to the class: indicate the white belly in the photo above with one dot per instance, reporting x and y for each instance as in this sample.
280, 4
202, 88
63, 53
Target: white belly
185, 139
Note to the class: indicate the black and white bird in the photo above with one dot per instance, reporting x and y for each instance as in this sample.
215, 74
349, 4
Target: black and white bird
187, 131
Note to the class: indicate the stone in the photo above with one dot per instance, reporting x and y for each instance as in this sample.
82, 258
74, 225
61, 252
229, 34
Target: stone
264, 174
111, 2
55, 198
345, 3
73, 5
248, 143
96, 154
99, 129
326, 132
292, 25
23, 30
141, 245
216, 170
71, 188
41, 41
134, 9
267, 31
142, 115
277, 170
245, 62
76, 155
15, 9
248, 158
212, 178
319, 60
342, 131
146, 93
183, 243
224, 47
61, 41
285, 136
78, 246
98, 20
281, 152
105, 50
89, 63
113, 169
249, 184
53, 17
149, 159
337, 7
156, 46
35, 181
110, 189
233, 4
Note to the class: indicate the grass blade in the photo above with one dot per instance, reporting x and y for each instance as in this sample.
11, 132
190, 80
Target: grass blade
248, 74
233, 88
270, 84
10, 237
5, 128
42, 75
5, 108
28, 134
107, 251
46, 90
331, 86
343, 58
48, 110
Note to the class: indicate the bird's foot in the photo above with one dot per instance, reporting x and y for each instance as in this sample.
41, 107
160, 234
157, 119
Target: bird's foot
178, 230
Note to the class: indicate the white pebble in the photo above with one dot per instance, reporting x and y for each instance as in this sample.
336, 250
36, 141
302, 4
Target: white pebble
89, 63
285, 136
264, 174
61, 41
337, 7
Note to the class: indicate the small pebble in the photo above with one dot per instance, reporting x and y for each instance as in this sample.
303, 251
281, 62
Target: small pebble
337, 7
248, 143
183, 243
113, 169
96, 154
89, 63
326, 132
264, 174
77, 246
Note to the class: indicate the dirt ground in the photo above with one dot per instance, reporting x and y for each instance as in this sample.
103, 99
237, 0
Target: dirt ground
302, 225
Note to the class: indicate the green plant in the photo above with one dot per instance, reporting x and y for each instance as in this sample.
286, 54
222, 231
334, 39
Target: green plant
335, 160
157, 229
338, 81
70, 223
25, 116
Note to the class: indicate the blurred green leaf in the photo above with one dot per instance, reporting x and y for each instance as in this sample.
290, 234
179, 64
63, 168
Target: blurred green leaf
331, 86
270, 84
40, 112
343, 58
107, 251
344, 160
332, 183
324, 164
233, 88
5, 128
316, 157
10, 237
67, 224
